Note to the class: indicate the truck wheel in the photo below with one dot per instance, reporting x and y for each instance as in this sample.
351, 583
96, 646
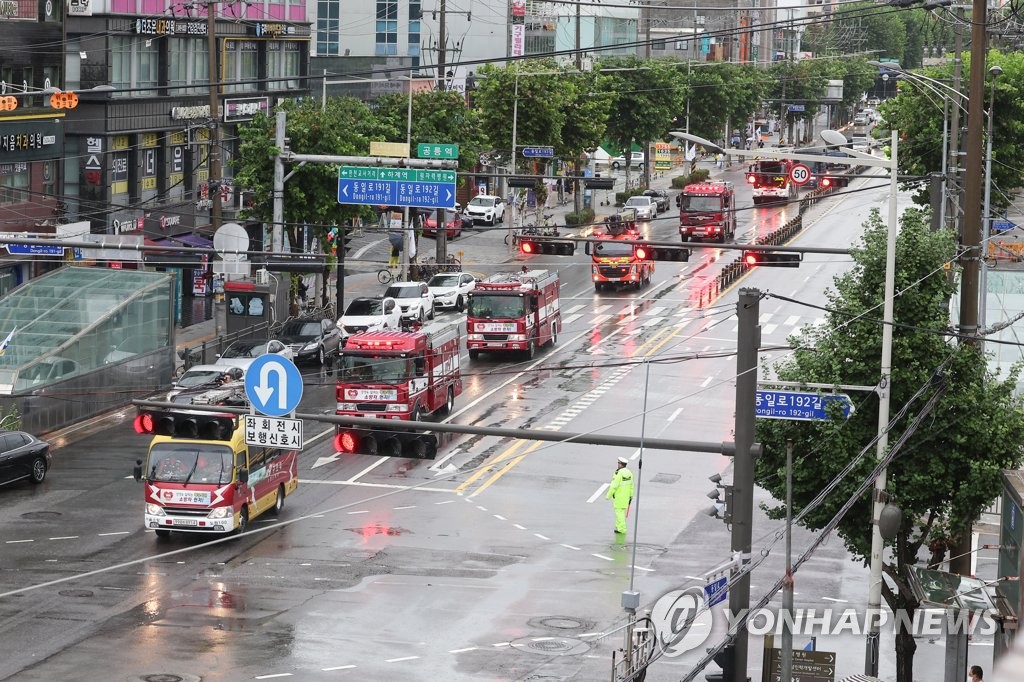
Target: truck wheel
554, 334
460, 304
474, 354
162, 533
449, 403
684, 237
598, 286
278, 501
531, 349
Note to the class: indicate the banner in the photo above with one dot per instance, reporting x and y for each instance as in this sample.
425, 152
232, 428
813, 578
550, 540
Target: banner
518, 40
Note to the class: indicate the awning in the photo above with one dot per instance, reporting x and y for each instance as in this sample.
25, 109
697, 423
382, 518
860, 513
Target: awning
180, 259
187, 239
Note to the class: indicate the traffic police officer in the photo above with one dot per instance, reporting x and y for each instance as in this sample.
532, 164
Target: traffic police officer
620, 492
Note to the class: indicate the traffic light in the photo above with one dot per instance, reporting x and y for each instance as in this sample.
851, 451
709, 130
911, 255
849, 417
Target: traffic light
194, 425
547, 245
724, 660
346, 239
599, 183
364, 441
8, 103
771, 259
677, 254
63, 100
522, 181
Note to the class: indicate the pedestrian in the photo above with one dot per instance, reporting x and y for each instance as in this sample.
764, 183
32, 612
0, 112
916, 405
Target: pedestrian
393, 261
620, 492
977, 674
719, 160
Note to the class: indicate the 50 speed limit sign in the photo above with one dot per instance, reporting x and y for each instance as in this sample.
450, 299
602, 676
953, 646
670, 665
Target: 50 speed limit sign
800, 174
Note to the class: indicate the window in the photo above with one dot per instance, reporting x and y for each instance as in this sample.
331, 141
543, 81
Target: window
327, 27
187, 64
387, 27
283, 60
134, 61
241, 65
14, 179
415, 12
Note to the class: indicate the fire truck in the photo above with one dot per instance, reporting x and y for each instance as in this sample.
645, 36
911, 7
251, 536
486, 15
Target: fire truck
201, 477
771, 181
400, 374
513, 312
614, 260
707, 211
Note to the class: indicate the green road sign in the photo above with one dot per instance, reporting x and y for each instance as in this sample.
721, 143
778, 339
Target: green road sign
403, 174
437, 151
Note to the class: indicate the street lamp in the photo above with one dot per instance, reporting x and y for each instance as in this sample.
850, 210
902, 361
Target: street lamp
986, 215
885, 86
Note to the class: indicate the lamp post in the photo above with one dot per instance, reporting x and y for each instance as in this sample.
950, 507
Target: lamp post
885, 86
986, 215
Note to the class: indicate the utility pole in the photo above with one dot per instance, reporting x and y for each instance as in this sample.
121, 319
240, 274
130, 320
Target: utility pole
747, 343
441, 235
579, 51
952, 183
214, 179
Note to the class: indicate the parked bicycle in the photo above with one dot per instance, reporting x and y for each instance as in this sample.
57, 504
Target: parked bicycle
386, 276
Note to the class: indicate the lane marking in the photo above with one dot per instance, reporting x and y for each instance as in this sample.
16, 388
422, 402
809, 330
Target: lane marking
601, 489
364, 484
791, 320
272, 676
368, 469
542, 537
769, 328
445, 502
479, 473
508, 466
337, 667
571, 309
838, 601
17, 542
501, 644
519, 527
672, 417
361, 511
399, 660
436, 466
641, 568
462, 651
411, 506
566, 321
500, 517
481, 508
569, 546
706, 382
65, 537
636, 453
602, 556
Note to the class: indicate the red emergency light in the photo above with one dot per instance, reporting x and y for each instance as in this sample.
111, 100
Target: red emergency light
144, 423
751, 178
641, 253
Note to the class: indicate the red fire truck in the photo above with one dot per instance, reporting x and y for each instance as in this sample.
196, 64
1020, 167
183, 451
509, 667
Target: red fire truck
614, 260
400, 374
771, 181
513, 312
707, 211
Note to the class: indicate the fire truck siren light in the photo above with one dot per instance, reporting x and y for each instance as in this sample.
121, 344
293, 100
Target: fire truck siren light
751, 178
771, 259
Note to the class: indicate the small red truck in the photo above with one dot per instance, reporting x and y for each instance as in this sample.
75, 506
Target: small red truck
614, 259
513, 312
707, 211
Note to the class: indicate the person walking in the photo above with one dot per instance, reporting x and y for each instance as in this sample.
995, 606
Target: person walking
976, 674
620, 492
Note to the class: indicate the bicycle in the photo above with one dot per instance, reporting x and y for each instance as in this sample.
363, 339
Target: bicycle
386, 276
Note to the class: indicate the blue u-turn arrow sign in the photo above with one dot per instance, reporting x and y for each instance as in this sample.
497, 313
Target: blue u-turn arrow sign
273, 385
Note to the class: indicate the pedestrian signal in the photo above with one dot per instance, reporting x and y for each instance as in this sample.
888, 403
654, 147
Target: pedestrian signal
8, 103
185, 425
772, 259
547, 246
63, 100
386, 443
649, 252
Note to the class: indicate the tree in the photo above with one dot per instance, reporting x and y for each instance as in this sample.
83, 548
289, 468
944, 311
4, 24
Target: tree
802, 83
582, 132
344, 127
946, 473
916, 112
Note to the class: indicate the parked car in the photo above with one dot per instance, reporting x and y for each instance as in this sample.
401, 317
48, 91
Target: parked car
450, 289
207, 385
414, 298
645, 207
369, 314
487, 209
636, 160
660, 197
312, 339
452, 220
242, 353
22, 456
46, 371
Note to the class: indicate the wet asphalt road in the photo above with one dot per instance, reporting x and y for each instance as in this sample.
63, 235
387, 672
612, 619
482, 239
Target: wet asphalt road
495, 561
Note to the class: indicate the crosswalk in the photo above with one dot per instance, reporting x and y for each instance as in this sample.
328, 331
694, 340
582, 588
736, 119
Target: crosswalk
634, 319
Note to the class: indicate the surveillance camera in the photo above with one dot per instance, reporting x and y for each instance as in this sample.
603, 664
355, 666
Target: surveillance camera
996, 71
714, 494
715, 478
712, 512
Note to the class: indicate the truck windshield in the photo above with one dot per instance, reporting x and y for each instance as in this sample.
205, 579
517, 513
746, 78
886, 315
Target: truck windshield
486, 307
702, 204
771, 168
191, 463
373, 368
612, 249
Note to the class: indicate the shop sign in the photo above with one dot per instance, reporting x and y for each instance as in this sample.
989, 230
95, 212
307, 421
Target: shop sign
245, 109
150, 26
12, 9
126, 222
189, 113
80, 8
273, 30
31, 140
157, 223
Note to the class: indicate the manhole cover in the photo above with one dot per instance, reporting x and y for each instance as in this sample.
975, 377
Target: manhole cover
559, 623
665, 478
641, 548
551, 646
75, 593
378, 529
40, 515
170, 677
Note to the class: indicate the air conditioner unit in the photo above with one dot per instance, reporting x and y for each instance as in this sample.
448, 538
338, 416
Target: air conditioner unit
263, 276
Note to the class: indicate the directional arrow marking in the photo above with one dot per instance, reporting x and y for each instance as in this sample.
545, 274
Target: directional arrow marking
264, 391
344, 190
320, 461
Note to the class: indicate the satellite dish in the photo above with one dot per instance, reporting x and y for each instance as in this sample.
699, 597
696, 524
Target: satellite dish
229, 239
834, 138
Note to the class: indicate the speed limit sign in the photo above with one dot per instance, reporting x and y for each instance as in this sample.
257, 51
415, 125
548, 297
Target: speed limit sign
800, 174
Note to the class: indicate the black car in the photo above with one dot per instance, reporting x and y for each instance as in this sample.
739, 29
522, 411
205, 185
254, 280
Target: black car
311, 339
22, 455
660, 197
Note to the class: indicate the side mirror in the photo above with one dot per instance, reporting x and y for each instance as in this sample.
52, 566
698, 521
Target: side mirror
243, 475
137, 470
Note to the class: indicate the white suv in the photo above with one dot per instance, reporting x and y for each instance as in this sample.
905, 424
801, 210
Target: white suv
370, 314
636, 160
414, 298
485, 208
451, 289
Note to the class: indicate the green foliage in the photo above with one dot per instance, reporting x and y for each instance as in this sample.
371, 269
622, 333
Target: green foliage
647, 96
589, 101
622, 197
949, 469
719, 92
698, 175
917, 113
804, 81
584, 217
10, 419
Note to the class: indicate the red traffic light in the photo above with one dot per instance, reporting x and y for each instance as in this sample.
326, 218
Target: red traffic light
346, 441
750, 258
826, 182
751, 178
528, 247
144, 423
642, 253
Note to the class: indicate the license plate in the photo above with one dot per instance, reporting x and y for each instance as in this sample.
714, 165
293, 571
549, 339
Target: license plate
186, 522
496, 345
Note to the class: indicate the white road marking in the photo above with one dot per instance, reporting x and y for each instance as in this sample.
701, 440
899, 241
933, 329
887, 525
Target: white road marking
500, 517
656, 310
364, 484
641, 568
399, 660
462, 651
17, 542
602, 556
818, 321
65, 537
501, 644
411, 506
601, 489
270, 677
120, 532
769, 328
591, 634
519, 527
306, 564
481, 508
672, 417
542, 639
791, 320
542, 537
571, 309
361, 511
570, 546
445, 502
693, 577
368, 469
839, 601
337, 667
360, 252
570, 319
598, 319
706, 382
602, 308
635, 454
765, 317
440, 463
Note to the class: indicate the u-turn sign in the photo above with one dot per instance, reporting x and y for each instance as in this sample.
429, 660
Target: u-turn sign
273, 385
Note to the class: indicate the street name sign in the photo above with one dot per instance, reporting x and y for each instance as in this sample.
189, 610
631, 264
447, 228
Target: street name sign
420, 188
273, 385
34, 250
538, 152
273, 432
716, 591
795, 107
799, 406
1002, 225
426, 150
799, 174
403, 174
808, 666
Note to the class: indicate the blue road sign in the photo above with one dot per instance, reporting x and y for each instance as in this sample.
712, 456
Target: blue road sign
795, 107
273, 385
538, 152
799, 406
34, 250
1002, 225
396, 193
716, 591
